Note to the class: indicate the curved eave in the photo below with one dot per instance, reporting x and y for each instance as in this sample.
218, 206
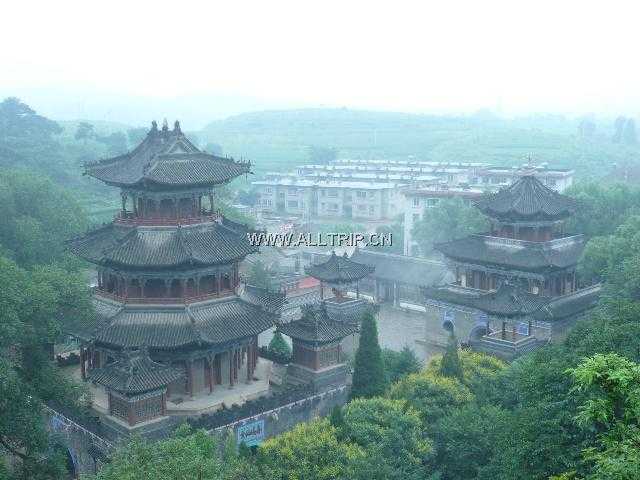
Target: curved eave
512, 216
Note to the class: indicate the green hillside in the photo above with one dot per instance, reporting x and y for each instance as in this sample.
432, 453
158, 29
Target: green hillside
279, 140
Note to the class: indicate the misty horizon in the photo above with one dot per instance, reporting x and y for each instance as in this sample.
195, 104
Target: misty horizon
216, 61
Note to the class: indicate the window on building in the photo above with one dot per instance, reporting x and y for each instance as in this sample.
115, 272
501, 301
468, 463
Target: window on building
269, 190
416, 202
362, 208
371, 194
361, 194
292, 192
332, 193
281, 195
292, 204
432, 202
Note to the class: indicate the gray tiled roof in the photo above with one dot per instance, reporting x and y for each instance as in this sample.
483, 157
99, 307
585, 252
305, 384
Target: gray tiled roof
527, 199
507, 301
528, 256
401, 268
339, 269
315, 326
135, 373
270, 301
570, 305
136, 246
166, 158
510, 301
169, 327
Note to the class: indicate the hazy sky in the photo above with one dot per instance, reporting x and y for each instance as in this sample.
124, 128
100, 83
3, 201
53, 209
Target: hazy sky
516, 56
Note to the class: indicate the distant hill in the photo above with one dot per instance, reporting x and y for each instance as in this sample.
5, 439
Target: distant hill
281, 139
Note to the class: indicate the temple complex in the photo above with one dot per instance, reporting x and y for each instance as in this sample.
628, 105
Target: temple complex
515, 287
173, 334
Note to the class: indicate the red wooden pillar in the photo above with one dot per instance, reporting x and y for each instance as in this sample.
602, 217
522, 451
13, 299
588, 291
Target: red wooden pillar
212, 380
231, 363
190, 377
163, 407
131, 413
83, 371
249, 372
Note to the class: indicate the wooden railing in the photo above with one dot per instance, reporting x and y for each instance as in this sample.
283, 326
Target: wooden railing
163, 300
164, 221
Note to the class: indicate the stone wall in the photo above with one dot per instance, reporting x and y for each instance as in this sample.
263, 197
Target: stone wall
286, 417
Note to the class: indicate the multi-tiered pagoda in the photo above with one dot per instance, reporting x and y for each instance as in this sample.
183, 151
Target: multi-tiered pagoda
520, 276
167, 297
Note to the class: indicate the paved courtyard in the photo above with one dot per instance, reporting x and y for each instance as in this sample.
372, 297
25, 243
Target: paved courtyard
399, 327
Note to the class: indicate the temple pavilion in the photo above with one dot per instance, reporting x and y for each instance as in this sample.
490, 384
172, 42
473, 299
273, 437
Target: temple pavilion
342, 274
515, 286
172, 332
317, 352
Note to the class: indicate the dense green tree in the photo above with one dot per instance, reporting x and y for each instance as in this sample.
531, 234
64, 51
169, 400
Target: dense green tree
399, 364
184, 456
259, 276
466, 439
391, 437
602, 207
38, 217
34, 306
311, 451
450, 366
278, 346
450, 219
369, 377
612, 384
431, 394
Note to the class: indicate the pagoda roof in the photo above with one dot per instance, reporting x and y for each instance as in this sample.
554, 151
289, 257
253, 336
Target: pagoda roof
515, 254
163, 247
135, 373
214, 322
166, 158
508, 301
528, 199
270, 301
316, 327
402, 268
339, 269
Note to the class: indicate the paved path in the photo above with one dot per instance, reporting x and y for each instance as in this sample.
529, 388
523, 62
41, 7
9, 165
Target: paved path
398, 328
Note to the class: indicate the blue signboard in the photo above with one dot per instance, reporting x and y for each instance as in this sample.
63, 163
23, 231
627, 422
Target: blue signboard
523, 328
251, 434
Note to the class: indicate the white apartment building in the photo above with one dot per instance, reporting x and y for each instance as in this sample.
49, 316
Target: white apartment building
335, 199
377, 190
479, 175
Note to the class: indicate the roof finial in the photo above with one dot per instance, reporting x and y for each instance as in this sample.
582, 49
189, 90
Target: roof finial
176, 127
165, 125
154, 126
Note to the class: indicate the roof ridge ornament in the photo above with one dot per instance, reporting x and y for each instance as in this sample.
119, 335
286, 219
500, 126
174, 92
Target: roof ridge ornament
176, 128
